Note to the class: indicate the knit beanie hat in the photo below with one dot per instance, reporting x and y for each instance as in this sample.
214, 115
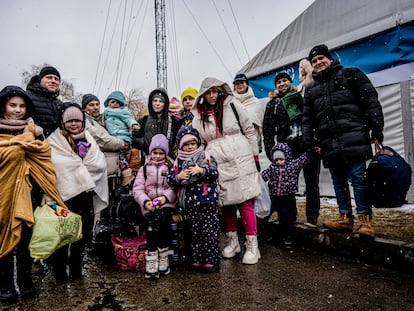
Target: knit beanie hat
319, 50
72, 113
159, 141
87, 98
187, 138
278, 154
282, 75
49, 70
160, 96
241, 77
191, 92
186, 134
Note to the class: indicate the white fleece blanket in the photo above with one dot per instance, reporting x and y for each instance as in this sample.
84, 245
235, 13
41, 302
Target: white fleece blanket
76, 175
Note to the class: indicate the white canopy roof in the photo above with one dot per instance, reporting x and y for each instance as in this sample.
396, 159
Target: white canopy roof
332, 22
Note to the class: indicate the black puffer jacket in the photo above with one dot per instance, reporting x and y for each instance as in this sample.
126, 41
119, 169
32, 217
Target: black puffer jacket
341, 107
47, 106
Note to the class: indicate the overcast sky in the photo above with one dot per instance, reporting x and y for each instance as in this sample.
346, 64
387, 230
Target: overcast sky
74, 37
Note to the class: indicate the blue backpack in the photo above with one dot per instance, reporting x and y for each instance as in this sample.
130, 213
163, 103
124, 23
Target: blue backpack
388, 179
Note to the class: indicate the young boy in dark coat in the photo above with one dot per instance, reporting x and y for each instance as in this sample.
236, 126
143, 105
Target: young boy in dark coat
195, 176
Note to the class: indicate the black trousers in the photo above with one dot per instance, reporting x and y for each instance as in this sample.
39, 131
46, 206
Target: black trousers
311, 174
158, 225
285, 205
23, 264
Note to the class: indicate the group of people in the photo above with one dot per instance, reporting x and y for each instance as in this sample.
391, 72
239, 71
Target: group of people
203, 159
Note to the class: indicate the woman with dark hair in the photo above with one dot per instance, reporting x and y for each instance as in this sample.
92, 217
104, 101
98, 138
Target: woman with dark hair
229, 136
26, 173
81, 181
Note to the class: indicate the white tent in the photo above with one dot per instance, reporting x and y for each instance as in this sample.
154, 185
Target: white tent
375, 35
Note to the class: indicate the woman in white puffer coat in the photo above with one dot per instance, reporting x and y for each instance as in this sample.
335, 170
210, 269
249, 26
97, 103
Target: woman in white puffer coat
232, 141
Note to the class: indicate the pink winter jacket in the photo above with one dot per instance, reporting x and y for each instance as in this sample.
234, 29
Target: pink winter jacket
154, 185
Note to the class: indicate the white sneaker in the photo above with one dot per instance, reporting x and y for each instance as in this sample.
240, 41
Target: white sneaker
252, 254
310, 225
233, 245
163, 262
151, 265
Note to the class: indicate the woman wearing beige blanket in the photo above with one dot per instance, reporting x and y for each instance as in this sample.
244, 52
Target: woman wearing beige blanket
81, 181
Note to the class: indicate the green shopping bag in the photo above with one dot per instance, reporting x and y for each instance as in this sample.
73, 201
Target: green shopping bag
54, 227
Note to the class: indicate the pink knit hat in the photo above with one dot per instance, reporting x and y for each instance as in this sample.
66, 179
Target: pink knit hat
72, 113
186, 138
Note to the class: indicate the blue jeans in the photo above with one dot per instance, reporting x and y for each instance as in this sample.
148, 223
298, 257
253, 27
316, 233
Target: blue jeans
354, 173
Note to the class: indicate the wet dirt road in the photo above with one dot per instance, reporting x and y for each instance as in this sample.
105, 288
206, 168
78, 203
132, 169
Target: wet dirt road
302, 280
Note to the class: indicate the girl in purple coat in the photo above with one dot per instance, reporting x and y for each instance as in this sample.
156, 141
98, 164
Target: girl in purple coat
156, 198
283, 176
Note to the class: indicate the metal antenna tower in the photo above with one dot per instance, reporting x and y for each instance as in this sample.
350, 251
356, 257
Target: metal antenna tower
160, 42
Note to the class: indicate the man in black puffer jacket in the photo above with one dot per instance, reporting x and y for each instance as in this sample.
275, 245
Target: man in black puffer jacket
341, 118
43, 90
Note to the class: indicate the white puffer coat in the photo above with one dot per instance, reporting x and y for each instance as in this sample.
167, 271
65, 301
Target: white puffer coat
233, 151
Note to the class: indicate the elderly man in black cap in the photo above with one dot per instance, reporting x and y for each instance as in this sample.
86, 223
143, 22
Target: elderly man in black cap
283, 119
43, 89
341, 118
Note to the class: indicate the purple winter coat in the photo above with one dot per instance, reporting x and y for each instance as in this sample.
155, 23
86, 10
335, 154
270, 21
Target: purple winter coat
154, 185
283, 179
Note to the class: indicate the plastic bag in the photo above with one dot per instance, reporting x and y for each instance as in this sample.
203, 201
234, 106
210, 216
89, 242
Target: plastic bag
54, 227
262, 203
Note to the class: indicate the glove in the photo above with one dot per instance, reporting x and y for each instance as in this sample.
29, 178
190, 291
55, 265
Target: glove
378, 136
83, 148
46, 199
158, 202
256, 160
148, 205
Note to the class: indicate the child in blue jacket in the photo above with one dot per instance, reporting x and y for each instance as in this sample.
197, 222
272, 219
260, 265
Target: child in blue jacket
195, 176
120, 123
283, 177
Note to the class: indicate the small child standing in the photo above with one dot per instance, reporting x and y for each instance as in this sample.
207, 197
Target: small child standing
283, 176
195, 176
120, 123
156, 199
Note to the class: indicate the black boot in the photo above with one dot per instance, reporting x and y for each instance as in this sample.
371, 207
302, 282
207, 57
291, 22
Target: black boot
7, 290
76, 259
24, 277
58, 261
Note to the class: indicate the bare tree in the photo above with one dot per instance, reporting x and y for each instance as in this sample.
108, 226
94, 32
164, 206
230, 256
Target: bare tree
137, 103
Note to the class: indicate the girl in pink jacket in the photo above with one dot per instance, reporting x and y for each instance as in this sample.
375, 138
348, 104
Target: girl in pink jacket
156, 199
